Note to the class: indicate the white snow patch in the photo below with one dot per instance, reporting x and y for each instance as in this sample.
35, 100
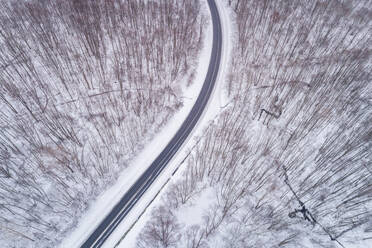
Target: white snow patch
187, 215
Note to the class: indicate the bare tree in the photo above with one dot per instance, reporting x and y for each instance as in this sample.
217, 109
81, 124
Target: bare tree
161, 231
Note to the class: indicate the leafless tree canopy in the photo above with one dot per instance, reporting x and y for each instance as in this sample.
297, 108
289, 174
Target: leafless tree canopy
83, 86
297, 133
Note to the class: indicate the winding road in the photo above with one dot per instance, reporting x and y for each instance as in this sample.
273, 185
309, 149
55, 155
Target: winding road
118, 213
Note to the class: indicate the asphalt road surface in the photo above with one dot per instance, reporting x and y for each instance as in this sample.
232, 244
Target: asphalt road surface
118, 213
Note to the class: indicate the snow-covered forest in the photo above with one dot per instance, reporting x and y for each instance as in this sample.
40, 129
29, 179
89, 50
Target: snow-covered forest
83, 86
288, 163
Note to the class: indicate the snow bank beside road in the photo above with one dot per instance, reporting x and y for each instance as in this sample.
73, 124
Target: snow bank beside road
107, 200
217, 102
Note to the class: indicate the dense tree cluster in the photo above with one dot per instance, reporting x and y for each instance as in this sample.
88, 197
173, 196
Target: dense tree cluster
296, 140
83, 85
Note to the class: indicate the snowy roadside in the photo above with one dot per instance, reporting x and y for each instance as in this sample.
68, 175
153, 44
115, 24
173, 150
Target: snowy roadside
107, 200
216, 102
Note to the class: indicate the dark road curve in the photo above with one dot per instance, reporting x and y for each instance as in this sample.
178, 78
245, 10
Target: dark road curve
121, 209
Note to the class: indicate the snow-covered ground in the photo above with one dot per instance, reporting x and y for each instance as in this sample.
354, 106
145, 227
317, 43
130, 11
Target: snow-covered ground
258, 219
126, 234
110, 197
216, 103
82, 102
